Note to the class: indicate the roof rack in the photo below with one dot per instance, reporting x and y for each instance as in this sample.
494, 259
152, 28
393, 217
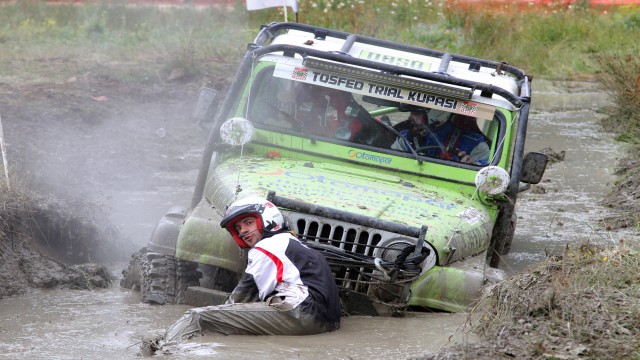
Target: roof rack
262, 46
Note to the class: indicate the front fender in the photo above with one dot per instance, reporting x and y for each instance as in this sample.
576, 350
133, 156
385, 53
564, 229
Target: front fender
165, 234
202, 240
452, 288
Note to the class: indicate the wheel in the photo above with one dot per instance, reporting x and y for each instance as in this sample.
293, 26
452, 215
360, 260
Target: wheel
132, 275
187, 275
161, 278
158, 279
217, 278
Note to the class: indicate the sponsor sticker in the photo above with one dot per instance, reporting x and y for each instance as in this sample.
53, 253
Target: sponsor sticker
368, 157
468, 108
395, 60
471, 215
299, 73
364, 87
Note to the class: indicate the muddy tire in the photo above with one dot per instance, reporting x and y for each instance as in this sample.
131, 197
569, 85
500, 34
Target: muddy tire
187, 275
506, 247
159, 279
218, 278
132, 275
502, 236
162, 279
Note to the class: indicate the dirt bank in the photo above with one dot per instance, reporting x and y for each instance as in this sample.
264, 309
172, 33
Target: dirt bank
583, 304
44, 244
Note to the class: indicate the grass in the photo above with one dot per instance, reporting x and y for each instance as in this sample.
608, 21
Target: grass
621, 75
553, 43
131, 43
583, 304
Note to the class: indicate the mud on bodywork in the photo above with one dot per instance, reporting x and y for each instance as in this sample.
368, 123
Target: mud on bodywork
316, 126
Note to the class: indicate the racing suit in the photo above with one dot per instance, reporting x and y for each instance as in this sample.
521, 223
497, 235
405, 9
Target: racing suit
287, 289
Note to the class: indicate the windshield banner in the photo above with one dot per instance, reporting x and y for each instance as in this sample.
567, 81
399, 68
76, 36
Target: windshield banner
393, 93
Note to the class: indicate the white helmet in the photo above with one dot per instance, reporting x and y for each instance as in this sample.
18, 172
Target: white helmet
268, 218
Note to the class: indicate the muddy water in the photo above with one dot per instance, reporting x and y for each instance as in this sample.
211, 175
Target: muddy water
109, 324
567, 213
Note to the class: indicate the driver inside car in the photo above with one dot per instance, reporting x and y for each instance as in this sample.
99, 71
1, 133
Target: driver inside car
442, 135
336, 113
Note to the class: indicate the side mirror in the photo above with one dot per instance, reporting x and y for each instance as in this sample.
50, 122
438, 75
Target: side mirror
533, 167
206, 101
236, 131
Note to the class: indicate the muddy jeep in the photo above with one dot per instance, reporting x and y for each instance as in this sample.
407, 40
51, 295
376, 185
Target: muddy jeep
316, 121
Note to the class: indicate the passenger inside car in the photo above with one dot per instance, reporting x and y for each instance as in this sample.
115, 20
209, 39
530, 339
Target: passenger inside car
443, 135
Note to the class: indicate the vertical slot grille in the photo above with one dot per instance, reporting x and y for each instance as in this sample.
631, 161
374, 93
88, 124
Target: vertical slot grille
351, 239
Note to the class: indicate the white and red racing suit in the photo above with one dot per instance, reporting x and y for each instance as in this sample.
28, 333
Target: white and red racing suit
287, 289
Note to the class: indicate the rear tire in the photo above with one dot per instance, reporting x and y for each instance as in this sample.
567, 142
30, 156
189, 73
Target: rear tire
132, 275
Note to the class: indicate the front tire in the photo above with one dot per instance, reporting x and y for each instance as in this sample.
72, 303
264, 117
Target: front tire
159, 279
164, 280
187, 275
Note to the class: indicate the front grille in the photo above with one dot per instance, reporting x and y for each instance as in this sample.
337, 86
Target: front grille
347, 237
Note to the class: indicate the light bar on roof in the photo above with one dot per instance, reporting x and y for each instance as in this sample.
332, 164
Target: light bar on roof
459, 92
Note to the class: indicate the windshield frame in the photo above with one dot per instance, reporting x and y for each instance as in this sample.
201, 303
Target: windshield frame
263, 71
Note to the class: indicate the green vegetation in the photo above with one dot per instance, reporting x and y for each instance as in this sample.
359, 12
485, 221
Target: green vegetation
557, 43
130, 44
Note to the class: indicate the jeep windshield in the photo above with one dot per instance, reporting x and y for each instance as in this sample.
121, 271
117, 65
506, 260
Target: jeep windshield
374, 117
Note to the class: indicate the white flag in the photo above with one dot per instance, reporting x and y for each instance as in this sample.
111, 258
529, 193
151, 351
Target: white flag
262, 4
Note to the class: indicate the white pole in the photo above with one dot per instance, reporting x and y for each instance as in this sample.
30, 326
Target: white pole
5, 163
285, 10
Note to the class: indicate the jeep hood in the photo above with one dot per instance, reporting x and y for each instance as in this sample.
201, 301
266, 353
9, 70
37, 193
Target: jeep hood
372, 192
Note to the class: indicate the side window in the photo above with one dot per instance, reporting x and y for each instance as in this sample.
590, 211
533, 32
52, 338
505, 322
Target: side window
273, 102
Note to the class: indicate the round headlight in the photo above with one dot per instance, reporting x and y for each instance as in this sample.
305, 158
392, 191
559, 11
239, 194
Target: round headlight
236, 131
492, 180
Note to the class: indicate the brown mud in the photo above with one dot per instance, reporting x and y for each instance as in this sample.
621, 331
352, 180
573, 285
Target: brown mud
45, 245
583, 304
73, 149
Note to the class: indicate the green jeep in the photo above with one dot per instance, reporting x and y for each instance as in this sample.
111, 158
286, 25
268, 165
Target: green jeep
319, 122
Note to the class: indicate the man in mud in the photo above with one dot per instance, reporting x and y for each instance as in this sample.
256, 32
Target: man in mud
443, 135
287, 288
